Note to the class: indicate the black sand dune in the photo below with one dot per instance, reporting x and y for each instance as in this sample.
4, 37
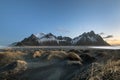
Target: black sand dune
56, 64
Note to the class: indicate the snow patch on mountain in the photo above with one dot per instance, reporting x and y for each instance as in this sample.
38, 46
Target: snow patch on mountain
51, 38
75, 40
93, 39
39, 35
47, 37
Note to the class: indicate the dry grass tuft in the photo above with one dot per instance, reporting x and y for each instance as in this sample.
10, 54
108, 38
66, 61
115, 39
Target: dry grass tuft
36, 54
74, 56
57, 54
109, 71
8, 57
12, 69
97, 71
20, 66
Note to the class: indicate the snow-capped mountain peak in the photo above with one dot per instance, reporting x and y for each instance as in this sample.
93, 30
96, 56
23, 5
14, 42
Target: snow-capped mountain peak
47, 37
91, 33
89, 38
39, 35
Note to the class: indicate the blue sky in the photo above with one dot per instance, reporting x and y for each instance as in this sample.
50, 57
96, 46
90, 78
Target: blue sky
21, 18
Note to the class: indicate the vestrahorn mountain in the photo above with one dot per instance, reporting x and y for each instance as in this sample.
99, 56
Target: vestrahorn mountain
41, 39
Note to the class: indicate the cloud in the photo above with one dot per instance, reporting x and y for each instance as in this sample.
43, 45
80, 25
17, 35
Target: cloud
101, 33
108, 36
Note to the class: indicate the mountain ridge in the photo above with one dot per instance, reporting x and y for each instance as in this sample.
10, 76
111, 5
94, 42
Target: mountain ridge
41, 39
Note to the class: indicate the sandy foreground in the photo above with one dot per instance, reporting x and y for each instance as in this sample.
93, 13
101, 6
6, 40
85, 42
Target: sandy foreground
59, 64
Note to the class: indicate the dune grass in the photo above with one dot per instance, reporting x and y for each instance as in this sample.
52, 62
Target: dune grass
10, 56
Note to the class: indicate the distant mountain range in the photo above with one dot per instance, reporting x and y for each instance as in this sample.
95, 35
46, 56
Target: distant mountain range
41, 39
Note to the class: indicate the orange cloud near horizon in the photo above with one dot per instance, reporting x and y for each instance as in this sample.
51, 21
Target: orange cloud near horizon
113, 42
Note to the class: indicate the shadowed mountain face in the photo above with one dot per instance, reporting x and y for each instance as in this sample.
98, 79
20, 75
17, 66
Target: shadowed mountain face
30, 41
49, 39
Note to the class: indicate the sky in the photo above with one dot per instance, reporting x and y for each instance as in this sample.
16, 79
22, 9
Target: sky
21, 18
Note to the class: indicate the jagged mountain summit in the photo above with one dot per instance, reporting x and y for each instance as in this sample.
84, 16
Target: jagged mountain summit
89, 38
41, 39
